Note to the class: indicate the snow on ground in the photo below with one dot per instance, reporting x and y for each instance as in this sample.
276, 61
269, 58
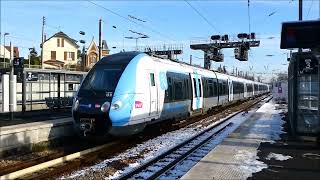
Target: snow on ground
183, 167
267, 128
250, 164
236, 157
152, 148
278, 157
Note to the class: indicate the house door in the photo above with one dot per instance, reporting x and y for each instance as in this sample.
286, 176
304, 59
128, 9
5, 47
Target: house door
197, 92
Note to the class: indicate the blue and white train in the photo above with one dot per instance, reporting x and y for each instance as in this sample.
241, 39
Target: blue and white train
124, 92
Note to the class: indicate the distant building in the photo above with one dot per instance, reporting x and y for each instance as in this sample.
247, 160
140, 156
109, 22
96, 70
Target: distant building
5, 51
92, 54
60, 51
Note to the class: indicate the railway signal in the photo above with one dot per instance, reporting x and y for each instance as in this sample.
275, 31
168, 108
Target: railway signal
213, 50
18, 66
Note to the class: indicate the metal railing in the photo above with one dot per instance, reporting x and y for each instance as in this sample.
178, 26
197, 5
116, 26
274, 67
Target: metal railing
4, 65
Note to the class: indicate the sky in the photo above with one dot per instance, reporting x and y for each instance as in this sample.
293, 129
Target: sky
166, 22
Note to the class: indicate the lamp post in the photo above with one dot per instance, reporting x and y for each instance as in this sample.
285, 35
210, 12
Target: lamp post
136, 38
4, 48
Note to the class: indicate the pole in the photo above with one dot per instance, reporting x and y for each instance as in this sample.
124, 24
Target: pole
191, 59
4, 50
136, 44
42, 40
29, 60
24, 91
11, 85
300, 10
100, 44
123, 41
83, 62
249, 17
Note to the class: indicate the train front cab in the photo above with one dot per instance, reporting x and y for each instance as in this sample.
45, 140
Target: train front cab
117, 96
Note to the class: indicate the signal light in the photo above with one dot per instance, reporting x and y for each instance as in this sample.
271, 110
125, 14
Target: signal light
225, 37
242, 35
216, 37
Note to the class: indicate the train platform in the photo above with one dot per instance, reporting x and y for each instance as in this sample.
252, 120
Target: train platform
33, 116
260, 149
25, 135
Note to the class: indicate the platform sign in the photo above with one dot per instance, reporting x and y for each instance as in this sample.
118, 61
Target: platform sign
32, 76
300, 34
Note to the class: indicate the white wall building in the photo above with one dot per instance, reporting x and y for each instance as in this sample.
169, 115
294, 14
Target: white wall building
59, 51
4, 52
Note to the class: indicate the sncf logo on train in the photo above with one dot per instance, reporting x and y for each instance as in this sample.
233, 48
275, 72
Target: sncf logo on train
138, 104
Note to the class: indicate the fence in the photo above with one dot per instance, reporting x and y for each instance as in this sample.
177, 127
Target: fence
44, 84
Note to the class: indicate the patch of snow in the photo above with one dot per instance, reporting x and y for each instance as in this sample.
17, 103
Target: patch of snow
267, 107
249, 162
278, 157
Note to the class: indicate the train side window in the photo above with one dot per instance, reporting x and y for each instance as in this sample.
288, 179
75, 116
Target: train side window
168, 92
224, 88
195, 87
215, 88
205, 87
211, 91
70, 87
152, 79
178, 90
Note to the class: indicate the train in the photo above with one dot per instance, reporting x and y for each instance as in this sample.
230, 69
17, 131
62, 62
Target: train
126, 91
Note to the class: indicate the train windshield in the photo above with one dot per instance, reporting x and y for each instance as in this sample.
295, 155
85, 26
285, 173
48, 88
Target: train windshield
102, 78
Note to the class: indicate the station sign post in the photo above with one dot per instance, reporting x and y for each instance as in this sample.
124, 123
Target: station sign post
303, 76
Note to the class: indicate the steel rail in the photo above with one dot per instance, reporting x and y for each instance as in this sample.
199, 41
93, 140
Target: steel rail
73, 156
169, 166
54, 162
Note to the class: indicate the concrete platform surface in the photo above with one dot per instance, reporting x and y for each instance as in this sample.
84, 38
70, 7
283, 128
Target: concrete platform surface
16, 136
236, 157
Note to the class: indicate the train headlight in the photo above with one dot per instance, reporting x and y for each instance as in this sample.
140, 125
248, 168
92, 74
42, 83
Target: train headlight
75, 105
116, 105
105, 107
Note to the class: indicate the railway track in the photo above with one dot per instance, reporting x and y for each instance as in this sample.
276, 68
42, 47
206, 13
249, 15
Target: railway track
74, 161
159, 165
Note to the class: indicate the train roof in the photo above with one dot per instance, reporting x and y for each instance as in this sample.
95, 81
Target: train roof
118, 58
201, 69
125, 57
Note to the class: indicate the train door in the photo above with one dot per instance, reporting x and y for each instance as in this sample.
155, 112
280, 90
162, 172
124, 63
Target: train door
230, 86
245, 92
197, 92
153, 94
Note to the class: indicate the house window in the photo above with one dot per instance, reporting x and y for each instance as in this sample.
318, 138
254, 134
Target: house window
58, 42
69, 56
53, 55
62, 42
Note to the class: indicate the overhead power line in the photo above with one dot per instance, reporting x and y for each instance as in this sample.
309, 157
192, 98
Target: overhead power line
130, 20
310, 8
202, 16
249, 16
